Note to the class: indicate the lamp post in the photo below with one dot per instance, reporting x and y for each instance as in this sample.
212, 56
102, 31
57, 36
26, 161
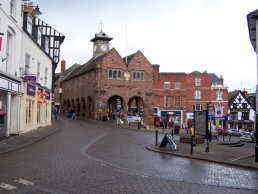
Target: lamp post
207, 128
252, 21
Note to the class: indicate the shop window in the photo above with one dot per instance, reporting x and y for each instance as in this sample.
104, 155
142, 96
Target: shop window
38, 113
29, 111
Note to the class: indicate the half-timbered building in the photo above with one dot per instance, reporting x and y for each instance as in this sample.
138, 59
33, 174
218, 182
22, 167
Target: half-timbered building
241, 113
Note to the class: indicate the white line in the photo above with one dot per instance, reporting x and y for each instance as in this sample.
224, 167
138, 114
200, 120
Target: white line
24, 182
7, 187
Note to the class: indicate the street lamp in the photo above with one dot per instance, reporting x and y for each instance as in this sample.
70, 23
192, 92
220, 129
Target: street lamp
252, 21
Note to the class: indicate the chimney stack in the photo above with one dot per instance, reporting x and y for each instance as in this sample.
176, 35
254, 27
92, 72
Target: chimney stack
63, 63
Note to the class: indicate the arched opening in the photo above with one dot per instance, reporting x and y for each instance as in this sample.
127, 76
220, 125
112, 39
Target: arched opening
115, 106
135, 106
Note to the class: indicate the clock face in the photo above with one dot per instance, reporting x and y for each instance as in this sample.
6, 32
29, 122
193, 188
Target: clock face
127, 75
103, 47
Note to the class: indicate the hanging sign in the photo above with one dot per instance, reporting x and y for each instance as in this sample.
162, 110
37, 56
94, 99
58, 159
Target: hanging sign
31, 90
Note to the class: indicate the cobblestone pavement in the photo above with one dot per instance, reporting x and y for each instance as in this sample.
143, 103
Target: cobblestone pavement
91, 157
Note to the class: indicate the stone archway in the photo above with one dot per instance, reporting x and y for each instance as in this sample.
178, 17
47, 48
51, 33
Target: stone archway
113, 106
135, 106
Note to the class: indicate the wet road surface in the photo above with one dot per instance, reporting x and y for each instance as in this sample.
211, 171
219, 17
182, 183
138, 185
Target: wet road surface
89, 157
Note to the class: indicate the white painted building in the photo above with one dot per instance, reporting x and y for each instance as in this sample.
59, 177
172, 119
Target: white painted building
10, 57
29, 54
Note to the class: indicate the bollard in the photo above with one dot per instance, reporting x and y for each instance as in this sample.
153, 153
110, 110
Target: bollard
223, 136
191, 149
207, 145
156, 139
229, 137
139, 125
172, 132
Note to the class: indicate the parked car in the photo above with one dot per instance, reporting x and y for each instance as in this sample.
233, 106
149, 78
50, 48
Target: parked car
222, 131
214, 132
234, 132
246, 138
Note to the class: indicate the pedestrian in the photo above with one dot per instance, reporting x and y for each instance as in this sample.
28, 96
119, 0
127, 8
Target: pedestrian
73, 113
118, 117
55, 112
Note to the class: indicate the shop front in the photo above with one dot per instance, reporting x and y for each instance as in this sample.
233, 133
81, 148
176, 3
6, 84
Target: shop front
10, 92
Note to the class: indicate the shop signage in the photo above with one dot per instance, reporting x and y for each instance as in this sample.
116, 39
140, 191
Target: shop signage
132, 119
31, 90
30, 78
47, 95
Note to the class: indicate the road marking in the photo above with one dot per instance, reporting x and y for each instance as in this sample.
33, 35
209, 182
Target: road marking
24, 182
7, 187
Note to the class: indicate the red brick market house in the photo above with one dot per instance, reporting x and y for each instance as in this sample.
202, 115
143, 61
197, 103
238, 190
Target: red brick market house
94, 88
180, 94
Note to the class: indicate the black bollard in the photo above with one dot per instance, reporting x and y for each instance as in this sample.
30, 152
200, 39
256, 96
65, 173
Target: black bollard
172, 132
191, 149
156, 139
139, 125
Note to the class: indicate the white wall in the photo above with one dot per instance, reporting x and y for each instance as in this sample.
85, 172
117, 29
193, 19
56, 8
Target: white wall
13, 24
37, 55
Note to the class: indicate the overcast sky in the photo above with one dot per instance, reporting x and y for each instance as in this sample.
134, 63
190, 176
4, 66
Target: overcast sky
179, 35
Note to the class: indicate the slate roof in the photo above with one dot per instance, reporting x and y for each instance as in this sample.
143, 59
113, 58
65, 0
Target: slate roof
88, 66
129, 57
69, 71
215, 79
101, 36
251, 21
232, 96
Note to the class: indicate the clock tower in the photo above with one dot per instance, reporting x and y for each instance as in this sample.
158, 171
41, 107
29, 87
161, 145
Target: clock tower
100, 43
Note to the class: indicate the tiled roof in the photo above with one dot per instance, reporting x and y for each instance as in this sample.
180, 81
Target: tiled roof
129, 57
90, 65
232, 96
69, 71
215, 79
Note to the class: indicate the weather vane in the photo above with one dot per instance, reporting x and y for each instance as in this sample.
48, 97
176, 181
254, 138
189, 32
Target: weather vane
101, 24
